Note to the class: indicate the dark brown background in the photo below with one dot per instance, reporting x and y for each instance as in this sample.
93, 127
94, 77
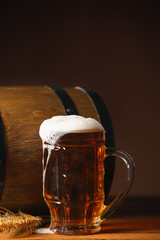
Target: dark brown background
110, 46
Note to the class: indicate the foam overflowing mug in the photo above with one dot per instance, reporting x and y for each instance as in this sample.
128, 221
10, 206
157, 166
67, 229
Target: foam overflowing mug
73, 173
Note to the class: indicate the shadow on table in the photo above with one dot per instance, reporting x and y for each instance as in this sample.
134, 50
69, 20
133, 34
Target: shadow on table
131, 225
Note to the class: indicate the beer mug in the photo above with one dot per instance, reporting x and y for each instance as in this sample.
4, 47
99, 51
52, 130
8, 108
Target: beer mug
73, 181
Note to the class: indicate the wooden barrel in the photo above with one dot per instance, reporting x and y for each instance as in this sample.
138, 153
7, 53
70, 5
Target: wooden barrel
22, 110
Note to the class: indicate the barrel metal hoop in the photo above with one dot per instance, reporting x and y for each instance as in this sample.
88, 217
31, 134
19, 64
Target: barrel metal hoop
105, 119
66, 100
2, 157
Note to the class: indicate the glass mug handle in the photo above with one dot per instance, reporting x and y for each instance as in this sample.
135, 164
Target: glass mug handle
109, 209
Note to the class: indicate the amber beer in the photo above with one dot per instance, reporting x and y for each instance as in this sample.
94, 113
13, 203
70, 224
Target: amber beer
73, 173
73, 181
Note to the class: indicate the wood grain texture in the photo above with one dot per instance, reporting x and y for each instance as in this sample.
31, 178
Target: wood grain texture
23, 109
129, 228
83, 103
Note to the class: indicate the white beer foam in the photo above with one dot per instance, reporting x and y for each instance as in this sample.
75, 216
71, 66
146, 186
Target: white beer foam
44, 230
52, 129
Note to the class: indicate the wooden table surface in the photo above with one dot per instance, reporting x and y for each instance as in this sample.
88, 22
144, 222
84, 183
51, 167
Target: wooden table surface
126, 228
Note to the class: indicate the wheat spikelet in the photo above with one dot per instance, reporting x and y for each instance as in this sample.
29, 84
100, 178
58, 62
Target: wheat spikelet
17, 224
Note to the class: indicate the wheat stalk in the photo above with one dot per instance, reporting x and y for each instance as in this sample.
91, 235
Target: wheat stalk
17, 223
